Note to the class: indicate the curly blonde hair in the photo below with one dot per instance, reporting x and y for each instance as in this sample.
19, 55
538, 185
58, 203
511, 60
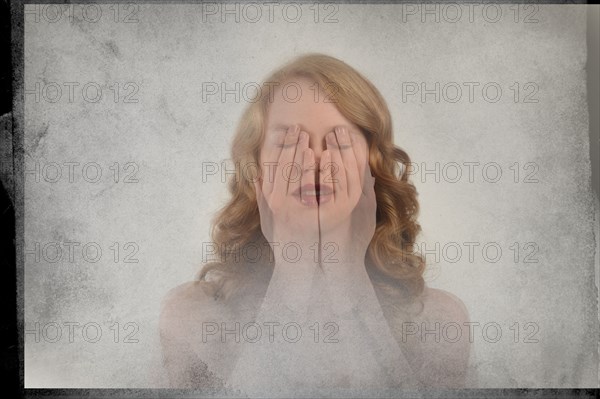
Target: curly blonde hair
390, 260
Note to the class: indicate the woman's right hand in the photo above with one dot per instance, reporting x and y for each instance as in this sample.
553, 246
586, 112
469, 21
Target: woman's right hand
290, 222
287, 201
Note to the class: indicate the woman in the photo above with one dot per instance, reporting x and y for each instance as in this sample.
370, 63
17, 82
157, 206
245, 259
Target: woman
317, 238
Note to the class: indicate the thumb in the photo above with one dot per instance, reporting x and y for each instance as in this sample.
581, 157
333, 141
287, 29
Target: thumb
257, 188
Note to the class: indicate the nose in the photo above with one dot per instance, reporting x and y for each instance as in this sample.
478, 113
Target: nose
317, 144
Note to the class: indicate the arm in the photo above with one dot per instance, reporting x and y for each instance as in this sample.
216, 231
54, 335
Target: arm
270, 363
358, 313
289, 225
349, 221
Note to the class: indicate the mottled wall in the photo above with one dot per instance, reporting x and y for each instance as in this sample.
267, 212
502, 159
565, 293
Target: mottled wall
153, 125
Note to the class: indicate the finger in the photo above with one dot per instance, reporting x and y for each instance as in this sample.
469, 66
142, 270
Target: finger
308, 178
362, 158
368, 180
284, 163
263, 210
295, 172
338, 174
259, 191
325, 179
260, 200
368, 189
268, 171
346, 150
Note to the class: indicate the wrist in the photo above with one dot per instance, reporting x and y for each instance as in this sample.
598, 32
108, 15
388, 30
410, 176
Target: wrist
343, 247
289, 292
343, 259
293, 273
352, 276
290, 252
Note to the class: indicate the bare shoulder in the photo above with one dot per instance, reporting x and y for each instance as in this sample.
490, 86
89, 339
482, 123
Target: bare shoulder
443, 306
185, 309
195, 291
194, 319
186, 303
435, 338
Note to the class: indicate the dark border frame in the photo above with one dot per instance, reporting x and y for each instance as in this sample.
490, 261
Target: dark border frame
18, 115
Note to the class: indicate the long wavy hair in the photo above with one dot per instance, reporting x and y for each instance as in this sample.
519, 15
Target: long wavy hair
391, 263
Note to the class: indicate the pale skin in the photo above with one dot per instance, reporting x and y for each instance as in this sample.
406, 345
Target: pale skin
373, 347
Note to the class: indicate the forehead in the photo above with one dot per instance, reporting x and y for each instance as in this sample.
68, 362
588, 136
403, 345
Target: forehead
303, 101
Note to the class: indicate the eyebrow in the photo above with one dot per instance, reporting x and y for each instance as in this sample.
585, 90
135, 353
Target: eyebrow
284, 127
279, 127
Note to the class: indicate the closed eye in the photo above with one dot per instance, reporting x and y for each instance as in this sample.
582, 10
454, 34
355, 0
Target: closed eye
279, 141
278, 134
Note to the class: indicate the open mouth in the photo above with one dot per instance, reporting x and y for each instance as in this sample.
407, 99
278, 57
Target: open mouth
313, 194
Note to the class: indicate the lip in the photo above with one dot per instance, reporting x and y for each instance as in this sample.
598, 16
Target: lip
307, 194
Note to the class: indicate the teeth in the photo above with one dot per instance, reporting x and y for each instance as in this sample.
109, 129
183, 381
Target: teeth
313, 193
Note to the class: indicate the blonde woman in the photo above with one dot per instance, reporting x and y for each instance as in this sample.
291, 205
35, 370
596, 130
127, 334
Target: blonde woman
318, 290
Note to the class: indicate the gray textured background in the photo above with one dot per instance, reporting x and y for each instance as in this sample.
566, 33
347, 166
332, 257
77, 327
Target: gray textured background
170, 52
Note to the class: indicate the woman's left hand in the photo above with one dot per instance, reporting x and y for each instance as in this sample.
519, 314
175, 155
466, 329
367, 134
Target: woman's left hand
347, 207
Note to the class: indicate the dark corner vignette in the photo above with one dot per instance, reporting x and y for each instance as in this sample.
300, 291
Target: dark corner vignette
9, 346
